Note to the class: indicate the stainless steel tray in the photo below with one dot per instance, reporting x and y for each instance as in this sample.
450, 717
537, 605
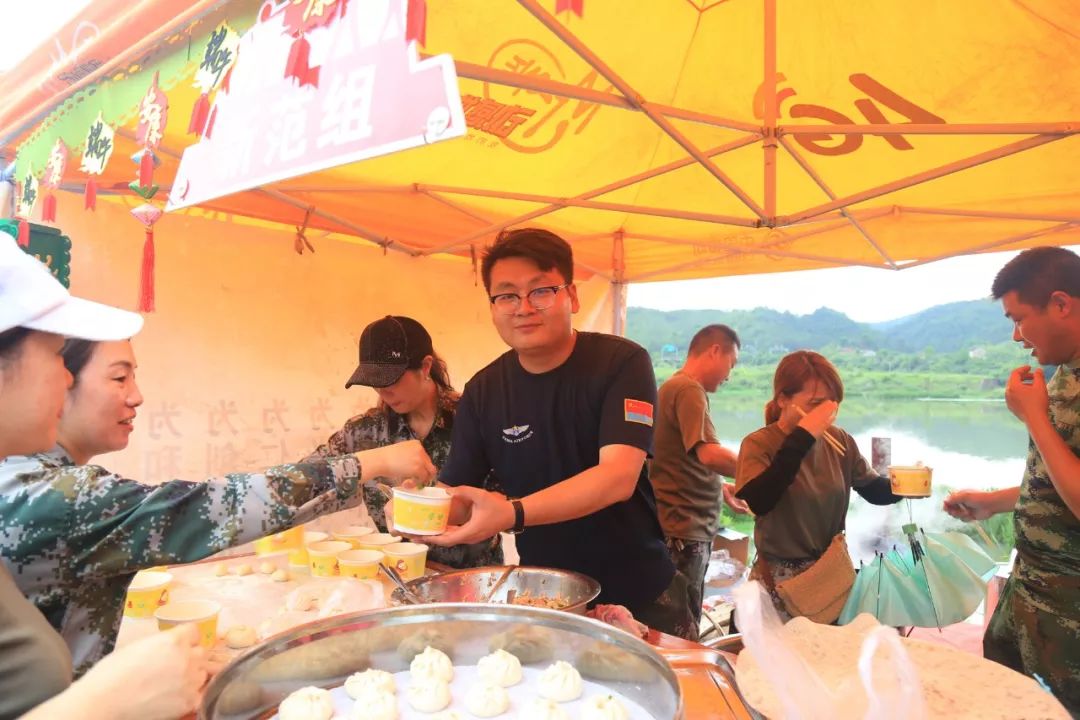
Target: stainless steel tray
324, 653
707, 679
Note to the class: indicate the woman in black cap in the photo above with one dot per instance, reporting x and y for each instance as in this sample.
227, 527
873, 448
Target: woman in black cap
416, 402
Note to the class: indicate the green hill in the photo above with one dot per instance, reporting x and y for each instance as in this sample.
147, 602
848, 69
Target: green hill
960, 349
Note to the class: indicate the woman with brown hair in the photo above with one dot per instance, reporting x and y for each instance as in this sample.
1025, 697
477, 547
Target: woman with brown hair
797, 474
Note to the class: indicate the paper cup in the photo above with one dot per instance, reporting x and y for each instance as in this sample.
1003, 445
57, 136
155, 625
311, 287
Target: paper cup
298, 556
421, 511
409, 559
148, 591
322, 557
284, 541
203, 613
361, 564
352, 534
377, 541
910, 480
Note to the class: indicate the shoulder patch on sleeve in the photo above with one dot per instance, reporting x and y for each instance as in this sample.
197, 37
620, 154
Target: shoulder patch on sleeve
638, 411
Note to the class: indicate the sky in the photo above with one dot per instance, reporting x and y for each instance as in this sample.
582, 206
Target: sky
863, 294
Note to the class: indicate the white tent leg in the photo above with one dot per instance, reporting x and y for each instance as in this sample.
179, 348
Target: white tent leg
618, 308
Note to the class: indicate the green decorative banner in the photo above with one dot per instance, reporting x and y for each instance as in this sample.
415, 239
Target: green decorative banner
48, 245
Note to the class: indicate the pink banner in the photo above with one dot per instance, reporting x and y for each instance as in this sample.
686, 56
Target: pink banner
373, 97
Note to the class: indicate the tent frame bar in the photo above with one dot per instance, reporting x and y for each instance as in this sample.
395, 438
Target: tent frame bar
653, 112
932, 174
994, 244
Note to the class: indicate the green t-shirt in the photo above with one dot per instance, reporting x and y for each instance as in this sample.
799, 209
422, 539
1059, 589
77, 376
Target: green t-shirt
35, 663
688, 494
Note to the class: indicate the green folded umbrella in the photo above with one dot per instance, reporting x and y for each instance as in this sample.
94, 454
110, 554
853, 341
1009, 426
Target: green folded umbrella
933, 587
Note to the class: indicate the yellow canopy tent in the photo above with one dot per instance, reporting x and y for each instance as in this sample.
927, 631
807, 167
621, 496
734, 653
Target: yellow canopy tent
644, 131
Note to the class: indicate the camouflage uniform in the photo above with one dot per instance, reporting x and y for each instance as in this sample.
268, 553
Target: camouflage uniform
73, 536
381, 426
1036, 626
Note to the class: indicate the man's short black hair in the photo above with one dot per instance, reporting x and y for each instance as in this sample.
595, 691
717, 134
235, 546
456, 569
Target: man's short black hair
543, 247
1037, 273
711, 335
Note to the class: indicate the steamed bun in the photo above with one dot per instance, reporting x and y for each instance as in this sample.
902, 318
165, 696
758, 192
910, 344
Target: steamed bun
369, 681
486, 700
433, 664
499, 668
429, 694
560, 682
604, 707
307, 703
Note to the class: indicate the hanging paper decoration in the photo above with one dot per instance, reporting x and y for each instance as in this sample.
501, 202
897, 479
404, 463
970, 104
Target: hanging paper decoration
27, 199
55, 167
303, 16
416, 22
153, 115
147, 214
218, 58
575, 6
97, 149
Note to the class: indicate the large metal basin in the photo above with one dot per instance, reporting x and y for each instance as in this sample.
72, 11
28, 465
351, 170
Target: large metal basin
324, 653
475, 584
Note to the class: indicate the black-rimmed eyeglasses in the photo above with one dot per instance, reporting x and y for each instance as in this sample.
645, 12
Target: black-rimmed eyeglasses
540, 298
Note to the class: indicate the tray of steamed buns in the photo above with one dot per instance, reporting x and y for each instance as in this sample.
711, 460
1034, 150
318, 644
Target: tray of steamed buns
455, 661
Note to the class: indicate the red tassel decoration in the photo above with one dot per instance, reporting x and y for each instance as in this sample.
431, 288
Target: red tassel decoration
199, 113
23, 236
48, 209
210, 125
146, 168
575, 6
146, 280
416, 22
90, 196
297, 67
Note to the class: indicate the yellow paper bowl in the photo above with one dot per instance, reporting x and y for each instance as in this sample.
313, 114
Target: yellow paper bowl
353, 534
377, 541
286, 540
322, 557
409, 559
421, 511
298, 556
360, 564
910, 480
203, 613
148, 591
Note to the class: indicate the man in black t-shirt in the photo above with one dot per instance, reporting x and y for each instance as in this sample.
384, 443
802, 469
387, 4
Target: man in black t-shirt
564, 421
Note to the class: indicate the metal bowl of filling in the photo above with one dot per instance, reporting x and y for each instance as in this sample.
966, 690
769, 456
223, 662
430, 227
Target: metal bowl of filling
541, 587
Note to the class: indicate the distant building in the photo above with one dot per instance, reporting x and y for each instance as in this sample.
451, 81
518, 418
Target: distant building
978, 353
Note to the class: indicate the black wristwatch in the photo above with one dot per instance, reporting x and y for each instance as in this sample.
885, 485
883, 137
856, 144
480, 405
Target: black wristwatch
519, 517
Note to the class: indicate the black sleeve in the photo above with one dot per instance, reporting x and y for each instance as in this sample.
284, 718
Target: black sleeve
627, 414
878, 492
762, 493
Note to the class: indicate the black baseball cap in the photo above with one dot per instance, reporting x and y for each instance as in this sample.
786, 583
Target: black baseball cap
389, 347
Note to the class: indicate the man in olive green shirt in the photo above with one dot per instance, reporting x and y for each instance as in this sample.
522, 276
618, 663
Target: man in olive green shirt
688, 460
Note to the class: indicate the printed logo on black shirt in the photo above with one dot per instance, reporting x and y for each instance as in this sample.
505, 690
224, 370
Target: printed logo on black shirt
516, 433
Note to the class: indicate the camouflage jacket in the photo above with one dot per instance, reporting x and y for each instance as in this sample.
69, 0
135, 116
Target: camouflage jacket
381, 426
73, 536
1047, 532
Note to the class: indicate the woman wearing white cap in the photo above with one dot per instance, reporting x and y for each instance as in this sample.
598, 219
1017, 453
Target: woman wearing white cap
35, 666
416, 402
86, 532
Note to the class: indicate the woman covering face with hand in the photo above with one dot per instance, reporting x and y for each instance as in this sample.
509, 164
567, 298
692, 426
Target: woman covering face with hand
797, 480
85, 531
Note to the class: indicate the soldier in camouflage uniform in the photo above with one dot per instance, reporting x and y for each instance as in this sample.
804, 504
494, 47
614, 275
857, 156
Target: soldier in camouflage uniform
1035, 628
389, 349
74, 535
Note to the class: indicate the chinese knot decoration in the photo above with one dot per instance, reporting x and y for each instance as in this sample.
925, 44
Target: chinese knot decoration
303, 16
153, 116
575, 6
218, 58
97, 149
54, 175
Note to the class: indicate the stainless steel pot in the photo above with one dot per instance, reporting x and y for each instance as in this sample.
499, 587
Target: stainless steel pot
476, 585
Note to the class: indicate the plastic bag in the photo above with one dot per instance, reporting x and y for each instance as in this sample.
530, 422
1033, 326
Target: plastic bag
784, 683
